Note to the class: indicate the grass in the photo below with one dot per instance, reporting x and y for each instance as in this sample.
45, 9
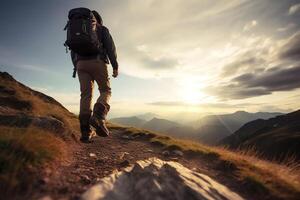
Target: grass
41, 107
24, 150
280, 180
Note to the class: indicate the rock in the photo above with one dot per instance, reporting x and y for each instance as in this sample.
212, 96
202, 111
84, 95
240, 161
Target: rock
45, 198
92, 155
124, 163
166, 153
100, 161
44, 181
85, 179
149, 150
127, 137
156, 179
123, 154
23, 121
177, 153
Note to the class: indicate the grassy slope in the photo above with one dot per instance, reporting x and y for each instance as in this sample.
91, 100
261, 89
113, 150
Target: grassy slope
277, 180
25, 150
22, 150
275, 138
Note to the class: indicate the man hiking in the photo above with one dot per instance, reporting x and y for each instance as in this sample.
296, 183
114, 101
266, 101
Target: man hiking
90, 68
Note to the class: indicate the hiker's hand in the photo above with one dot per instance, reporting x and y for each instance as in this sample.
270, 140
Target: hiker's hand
115, 73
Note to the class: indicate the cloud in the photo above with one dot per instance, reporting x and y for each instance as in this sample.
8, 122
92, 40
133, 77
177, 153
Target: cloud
211, 105
244, 62
158, 63
250, 85
294, 9
250, 25
287, 27
291, 48
168, 103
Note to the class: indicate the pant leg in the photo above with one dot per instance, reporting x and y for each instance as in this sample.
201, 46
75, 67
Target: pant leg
102, 79
86, 87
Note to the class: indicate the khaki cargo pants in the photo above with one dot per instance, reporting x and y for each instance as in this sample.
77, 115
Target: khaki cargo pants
88, 72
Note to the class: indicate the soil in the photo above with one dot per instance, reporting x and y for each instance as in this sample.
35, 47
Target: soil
103, 156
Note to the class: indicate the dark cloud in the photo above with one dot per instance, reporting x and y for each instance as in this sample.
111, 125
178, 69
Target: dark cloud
251, 85
245, 62
291, 50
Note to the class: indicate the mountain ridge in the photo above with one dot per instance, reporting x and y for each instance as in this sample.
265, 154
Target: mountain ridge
211, 128
275, 138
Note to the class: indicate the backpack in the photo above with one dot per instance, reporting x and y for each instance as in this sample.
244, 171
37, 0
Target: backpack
82, 37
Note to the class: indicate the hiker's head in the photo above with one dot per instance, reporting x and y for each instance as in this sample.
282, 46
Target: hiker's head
98, 17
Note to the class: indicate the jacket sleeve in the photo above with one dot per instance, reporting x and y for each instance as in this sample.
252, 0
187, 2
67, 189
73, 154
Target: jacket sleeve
110, 47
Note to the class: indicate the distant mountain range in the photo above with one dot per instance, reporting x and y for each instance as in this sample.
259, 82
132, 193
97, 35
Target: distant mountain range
213, 128
210, 129
277, 137
129, 121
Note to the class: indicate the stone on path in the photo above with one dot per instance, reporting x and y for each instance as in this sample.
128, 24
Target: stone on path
156, 179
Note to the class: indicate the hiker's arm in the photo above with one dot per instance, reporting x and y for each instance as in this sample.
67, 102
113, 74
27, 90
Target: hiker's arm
110, 48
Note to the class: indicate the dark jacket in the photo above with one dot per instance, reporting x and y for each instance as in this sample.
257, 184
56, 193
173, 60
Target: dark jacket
109, 48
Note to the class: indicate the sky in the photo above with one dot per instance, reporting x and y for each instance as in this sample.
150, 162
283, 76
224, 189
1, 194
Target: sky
176, 57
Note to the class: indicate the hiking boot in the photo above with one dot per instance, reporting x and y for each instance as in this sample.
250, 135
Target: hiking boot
100, 127
97, 121
87, 138
85, 129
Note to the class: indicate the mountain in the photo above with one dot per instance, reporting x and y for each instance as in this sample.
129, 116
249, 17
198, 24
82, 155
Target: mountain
148, 116
160, 125
277, 137
214, 128
185, 132
156, 124
35, 130
129, 121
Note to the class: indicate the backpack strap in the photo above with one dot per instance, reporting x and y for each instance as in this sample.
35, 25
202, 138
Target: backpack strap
75, 66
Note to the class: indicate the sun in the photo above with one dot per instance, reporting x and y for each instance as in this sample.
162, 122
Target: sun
190, 92
192, 96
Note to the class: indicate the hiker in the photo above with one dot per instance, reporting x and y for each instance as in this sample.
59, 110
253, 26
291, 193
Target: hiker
93, 67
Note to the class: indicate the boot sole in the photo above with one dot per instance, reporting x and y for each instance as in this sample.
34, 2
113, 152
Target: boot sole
99, 131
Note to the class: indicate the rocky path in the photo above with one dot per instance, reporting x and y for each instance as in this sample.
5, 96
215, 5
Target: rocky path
103, 158
91, 163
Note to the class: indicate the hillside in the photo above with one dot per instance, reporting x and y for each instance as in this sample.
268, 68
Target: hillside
275, 138
41, 159
213, 128
129, 121
35, 130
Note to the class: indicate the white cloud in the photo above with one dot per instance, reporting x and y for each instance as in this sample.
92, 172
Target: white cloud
294, 9
250, 25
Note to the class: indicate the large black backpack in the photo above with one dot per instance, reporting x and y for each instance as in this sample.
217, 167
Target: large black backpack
82, 37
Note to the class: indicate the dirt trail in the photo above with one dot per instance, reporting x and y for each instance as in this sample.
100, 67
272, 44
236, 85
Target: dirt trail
91, 163
99, 159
